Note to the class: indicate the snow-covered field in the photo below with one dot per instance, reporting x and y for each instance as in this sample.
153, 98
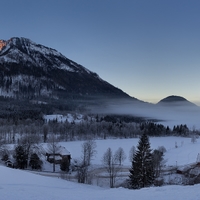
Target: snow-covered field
185, 153
17, 184
22, 185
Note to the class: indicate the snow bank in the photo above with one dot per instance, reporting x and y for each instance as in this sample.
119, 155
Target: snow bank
22, 185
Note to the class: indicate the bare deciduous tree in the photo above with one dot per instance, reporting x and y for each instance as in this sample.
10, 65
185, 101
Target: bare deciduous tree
162, 149
158, 161
88, 151
131, 153
111, 166
82, 171
53, 148
193, 138
120, 155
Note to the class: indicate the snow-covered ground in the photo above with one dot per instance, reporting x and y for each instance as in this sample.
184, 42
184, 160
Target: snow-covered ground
18, 184
179, 152
185, 153
22, 185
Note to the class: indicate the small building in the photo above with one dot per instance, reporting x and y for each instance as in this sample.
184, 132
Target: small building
9, 163
61, 155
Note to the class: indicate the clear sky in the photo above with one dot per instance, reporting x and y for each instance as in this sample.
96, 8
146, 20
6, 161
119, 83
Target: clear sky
148, 48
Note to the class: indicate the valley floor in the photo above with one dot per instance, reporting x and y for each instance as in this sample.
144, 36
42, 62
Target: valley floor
180, 152
22, 185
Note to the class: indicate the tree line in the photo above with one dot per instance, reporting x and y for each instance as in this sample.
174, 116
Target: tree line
11, 130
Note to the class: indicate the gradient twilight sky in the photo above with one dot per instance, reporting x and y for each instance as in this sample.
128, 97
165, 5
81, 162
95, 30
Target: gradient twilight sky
148, 48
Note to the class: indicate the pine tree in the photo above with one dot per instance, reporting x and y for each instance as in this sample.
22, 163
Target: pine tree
142, 173
20, 157
35, 161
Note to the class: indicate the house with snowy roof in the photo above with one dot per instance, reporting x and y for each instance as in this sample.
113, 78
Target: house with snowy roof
61, 154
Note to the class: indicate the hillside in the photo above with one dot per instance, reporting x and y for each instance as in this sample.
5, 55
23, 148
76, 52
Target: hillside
37, 80
31, 73
29, 70
176, 101
20, 185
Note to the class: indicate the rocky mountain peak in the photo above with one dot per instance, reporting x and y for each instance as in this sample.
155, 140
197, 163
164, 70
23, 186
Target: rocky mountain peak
2, 44
28, 69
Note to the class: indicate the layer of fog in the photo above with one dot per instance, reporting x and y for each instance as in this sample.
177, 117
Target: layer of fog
180, 113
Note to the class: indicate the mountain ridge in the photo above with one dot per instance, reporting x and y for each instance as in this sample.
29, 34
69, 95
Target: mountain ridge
47, 72
35, 74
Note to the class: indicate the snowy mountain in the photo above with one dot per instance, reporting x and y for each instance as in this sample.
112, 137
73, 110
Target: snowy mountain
31, 73
29, 70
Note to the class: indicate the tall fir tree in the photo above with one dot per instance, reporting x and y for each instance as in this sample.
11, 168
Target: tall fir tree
35, 161
20, 157
142, 172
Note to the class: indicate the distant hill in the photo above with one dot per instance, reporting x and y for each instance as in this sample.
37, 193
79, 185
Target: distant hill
176, 101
